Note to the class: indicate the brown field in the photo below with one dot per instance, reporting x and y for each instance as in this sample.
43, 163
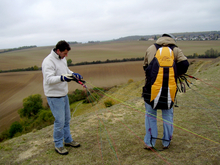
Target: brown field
14, 87
97, 51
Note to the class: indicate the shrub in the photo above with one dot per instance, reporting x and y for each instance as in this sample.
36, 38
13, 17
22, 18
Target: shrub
35, 67
130, 81
46, 115
97, 89
77, 96
69, 62
43, 119
92, 98
15, 128
108, 103
4, 135
32, 106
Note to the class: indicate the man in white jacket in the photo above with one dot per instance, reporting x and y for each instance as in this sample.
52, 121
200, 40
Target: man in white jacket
56, 76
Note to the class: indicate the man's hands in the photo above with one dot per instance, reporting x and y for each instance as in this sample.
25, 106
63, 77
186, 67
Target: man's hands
66, 77
69, 77
77, 76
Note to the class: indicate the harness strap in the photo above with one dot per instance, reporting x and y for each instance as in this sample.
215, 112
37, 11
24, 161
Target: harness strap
159, 139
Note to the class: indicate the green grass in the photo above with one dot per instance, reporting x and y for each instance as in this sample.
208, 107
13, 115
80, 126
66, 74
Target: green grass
78, 108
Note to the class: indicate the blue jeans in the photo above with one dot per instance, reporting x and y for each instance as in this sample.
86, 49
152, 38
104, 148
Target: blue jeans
151, 126
61, 112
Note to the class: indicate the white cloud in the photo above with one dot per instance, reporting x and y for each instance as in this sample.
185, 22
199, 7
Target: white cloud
41, 22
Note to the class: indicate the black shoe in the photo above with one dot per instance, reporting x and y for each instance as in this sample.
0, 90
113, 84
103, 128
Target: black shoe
167, 147
61, 151
148, 148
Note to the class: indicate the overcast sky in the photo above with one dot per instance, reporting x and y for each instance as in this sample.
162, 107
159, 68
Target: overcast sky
45, 22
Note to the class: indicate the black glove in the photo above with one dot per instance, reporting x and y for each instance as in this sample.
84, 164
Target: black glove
66, 77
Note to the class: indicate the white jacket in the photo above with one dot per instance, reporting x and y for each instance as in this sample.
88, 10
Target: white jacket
52, 68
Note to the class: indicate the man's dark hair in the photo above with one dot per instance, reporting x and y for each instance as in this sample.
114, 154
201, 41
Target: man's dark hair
62, 46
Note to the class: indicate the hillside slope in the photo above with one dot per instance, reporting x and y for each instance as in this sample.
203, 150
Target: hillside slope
115, 135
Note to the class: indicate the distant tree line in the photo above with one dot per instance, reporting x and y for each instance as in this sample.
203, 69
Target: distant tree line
69, 62
74, 42
107, 61
211, 53
19, 48
33, 68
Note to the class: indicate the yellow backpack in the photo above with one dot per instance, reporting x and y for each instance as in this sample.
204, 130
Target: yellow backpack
161, 85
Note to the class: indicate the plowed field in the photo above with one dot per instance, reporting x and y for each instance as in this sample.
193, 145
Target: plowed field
16, 86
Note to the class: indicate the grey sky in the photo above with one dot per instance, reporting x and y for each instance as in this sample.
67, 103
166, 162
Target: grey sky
44, 22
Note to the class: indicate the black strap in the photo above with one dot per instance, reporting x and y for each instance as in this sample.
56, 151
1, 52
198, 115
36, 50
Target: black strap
157, 46
158, 139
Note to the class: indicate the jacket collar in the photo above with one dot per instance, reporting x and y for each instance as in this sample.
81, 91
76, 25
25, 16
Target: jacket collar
54, 54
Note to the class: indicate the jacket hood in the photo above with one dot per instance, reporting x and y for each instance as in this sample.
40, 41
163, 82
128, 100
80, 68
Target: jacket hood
165, 41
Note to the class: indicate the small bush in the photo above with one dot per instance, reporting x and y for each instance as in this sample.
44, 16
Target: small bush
92, 98
97, 89
77, 96
130, 81
4, 135
32, 106
108, 103
43, 119
46, 115
15, 128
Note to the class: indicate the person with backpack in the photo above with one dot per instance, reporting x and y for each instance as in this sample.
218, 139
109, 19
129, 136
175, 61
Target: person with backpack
56, 76
163, 63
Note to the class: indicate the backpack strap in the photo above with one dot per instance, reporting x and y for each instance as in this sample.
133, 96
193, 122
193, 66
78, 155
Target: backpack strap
157, 46
172, 46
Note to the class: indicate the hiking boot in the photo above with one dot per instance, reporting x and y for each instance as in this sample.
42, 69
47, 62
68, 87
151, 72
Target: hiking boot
148, 148
61, 151
72, 144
